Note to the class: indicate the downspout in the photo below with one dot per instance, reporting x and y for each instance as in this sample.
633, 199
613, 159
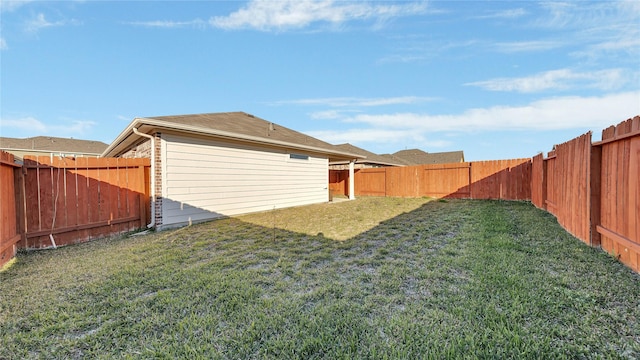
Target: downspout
153, 176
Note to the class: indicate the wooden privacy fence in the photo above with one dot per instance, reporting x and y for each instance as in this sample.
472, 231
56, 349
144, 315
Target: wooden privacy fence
594, 189
63, 201
568, 185
618, 229
9, 235
498, 179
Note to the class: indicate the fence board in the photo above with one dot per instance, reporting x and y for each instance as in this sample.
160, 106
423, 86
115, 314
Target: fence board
81, 199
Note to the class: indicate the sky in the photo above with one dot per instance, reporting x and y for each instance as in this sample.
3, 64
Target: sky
496, 79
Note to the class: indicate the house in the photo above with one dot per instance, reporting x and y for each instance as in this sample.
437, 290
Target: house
419, 157
372, 160
49, 145
205, 166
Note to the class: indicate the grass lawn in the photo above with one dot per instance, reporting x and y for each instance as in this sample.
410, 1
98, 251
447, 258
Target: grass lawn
372, 278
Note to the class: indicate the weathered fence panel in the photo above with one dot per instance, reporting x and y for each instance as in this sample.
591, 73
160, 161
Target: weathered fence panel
338, 182
72, 200
9, 230
500, 179
619, 225
568, 186
402, 181
370, 182
446, 180
539, 181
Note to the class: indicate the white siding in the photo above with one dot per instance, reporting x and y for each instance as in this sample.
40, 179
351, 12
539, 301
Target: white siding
205, 179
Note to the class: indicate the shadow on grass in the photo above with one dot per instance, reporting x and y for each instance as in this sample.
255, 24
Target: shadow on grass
445, 280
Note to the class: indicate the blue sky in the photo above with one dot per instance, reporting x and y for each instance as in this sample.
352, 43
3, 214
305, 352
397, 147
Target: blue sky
496, 79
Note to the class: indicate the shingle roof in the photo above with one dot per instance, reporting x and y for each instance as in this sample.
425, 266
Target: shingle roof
232, 125
54, 144
372, 158
393, 158
244, 124
419, 157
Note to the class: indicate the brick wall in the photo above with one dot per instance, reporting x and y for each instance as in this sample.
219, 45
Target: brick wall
142, 150
158, 178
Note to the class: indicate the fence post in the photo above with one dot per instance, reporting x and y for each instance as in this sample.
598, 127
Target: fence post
596, 194
544, 183
21, 208
142, 197
470, 181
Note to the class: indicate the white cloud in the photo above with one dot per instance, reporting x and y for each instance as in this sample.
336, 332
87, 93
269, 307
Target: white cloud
169, 24
549, 114
423, 130
558, 80
35, 127
12, 5
366, 135
630, 43
527, 46
393, 138
357, 102
419, 49
40, 22
269, 15
328, 114
3, 44
26, 123
505, 14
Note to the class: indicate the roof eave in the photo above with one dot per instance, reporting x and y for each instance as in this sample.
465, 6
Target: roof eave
121, 142
50, 151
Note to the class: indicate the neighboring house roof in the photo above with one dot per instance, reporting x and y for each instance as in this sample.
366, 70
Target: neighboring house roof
419, 157
393, 158
372, 158
50, 144
238, 126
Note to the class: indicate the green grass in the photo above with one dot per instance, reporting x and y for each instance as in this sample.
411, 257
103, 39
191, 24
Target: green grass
372, 278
